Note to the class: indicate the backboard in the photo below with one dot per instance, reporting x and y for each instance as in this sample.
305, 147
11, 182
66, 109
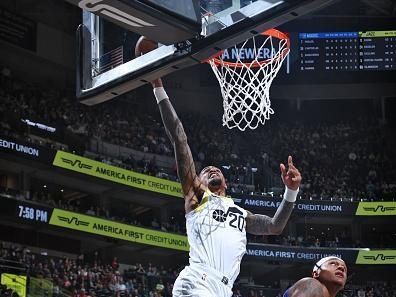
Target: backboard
188, 32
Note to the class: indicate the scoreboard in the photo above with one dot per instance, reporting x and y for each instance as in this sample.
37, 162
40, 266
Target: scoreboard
347, 51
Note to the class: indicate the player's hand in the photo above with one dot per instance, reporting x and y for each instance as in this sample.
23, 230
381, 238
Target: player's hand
157, 83
291, 177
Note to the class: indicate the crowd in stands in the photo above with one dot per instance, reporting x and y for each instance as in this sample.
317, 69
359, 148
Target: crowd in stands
310, 241
349, 159
345, 160
81, 277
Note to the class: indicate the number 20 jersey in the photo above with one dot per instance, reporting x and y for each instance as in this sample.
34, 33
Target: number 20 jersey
216, 232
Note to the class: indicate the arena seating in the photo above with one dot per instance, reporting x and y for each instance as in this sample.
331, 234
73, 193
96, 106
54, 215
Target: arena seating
368, 153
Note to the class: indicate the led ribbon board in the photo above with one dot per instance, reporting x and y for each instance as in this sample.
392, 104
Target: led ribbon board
115, 174
33, 214
112, 229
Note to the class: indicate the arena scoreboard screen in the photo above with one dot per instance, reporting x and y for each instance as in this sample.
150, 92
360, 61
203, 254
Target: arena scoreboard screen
347, 51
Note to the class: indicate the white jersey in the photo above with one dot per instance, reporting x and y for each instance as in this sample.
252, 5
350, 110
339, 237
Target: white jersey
216, 232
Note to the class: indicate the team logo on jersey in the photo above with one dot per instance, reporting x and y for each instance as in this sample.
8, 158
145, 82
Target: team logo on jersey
237, 219
221, 216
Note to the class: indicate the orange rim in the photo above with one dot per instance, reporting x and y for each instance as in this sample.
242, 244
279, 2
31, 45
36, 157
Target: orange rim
270, 32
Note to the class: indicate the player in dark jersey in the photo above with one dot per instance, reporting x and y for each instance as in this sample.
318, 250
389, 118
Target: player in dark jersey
328, 278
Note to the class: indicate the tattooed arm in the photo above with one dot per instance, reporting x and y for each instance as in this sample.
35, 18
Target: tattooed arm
265, 225
191, 185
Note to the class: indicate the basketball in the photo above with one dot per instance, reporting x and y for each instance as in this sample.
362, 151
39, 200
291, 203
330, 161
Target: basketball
144, 45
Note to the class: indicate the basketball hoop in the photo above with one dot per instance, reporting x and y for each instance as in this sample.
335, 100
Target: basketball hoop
245, 83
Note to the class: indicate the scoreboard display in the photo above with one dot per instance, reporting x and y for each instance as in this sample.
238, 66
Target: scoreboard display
347, 51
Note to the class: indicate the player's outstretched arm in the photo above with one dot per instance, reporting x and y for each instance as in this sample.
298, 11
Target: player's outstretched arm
185, 164
265, 225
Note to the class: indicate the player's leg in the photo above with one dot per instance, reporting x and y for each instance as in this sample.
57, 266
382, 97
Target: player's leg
191, 284
199, 283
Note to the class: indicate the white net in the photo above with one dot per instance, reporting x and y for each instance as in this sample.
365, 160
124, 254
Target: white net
245, 85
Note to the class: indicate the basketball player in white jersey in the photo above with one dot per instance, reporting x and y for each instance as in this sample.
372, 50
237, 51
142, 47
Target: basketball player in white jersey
216, 227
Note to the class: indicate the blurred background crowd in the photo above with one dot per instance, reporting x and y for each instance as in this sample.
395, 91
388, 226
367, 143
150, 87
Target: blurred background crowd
344, 158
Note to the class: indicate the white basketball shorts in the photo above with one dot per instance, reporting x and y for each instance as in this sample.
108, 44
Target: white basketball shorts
200, 281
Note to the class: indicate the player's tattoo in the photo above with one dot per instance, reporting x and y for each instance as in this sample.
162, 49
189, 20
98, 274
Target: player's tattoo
265, 225
173, 126
184, 160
